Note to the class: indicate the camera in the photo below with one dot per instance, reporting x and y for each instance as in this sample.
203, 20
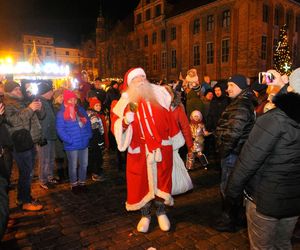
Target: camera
265, 77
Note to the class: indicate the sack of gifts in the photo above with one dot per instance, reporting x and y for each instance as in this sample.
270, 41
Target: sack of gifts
181, 180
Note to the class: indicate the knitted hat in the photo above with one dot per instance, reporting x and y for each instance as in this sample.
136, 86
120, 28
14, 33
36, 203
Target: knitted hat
10, 86
197, 88
196, 113
68, 94
44, 87
192, 76
207, 91
132, 73
256, 86
57, 93
93, 101
239, 80
294, 80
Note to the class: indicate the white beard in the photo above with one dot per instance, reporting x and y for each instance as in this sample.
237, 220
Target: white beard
138, 91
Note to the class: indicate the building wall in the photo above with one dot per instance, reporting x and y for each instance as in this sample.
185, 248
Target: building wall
244, 34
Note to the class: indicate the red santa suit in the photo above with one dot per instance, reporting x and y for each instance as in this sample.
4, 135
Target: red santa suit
150, 140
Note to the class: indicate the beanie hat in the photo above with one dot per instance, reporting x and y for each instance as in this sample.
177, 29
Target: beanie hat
239, 80
192, 76
132, 73
68, 94
294, 80
10, 86
256, 86
197, 88
57, 93
196, 113
207, 91
93, 101
44, 87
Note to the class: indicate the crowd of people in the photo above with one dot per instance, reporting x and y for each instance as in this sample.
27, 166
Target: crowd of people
250, 130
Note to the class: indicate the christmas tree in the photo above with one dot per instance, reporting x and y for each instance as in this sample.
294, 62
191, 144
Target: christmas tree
282, 55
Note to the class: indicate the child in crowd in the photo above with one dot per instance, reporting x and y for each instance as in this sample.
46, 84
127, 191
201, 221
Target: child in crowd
97, 142
198, 132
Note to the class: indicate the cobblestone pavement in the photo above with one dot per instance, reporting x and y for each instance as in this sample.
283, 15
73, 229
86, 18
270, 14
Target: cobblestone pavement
98, 219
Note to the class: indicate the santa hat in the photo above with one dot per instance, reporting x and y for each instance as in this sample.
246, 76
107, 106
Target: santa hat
93, 101
192, 76
132, 73
196, 113
68, 94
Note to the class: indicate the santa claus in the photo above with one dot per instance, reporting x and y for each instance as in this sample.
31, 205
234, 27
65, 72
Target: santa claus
142, 124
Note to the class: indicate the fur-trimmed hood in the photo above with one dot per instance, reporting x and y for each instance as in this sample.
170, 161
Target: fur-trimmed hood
290, 104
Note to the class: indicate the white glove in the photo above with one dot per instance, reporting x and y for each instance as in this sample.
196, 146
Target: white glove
129, 117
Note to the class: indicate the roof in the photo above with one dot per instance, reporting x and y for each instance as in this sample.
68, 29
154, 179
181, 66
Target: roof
181, 6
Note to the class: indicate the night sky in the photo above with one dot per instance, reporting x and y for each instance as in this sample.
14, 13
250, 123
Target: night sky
66, 20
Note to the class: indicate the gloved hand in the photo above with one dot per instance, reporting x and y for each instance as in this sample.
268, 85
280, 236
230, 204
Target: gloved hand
129, 117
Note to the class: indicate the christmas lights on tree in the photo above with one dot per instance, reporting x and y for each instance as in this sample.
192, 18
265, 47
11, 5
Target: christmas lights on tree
282, 55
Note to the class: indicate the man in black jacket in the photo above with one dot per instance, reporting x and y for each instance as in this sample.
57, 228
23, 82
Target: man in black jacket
232, 131
268, 170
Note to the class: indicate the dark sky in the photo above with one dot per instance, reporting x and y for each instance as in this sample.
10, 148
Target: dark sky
66, 20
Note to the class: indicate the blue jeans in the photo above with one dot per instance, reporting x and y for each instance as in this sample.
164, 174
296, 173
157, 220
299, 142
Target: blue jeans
269, 233
73, 157
25, 163
227, 166
46, 161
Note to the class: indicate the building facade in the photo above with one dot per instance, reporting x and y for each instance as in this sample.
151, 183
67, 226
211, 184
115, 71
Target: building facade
218, 38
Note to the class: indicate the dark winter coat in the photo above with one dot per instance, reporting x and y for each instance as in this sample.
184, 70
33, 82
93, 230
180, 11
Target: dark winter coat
269, 164
112, 94
216, 108
235, 124
4, 208
73, 136
99, 93
18, 116
5, 140
48, 123
193, 102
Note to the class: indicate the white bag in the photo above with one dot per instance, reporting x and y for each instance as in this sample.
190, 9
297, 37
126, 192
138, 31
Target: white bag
181, 180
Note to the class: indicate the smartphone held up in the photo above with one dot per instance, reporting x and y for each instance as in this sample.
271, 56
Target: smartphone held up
265, 77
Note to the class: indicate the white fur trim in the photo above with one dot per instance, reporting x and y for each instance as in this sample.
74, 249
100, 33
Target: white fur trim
178, 140
123, 138
134, 73
137, 150
162, 96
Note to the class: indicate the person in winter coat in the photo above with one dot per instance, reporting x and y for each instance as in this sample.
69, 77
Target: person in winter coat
20, 116
74, 129
232, 131
268, 170
98, 91
97, 142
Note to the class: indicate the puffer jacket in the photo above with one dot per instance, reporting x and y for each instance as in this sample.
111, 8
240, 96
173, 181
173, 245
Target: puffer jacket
235, 124
268, 167
73, 136
18, 116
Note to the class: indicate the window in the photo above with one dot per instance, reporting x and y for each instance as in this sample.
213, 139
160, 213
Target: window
210, 23
148, 14
173, 59
196, 54
39, 51
154, 37
288, 19
225, 50
276, 16
173, 33
154, 62
146, 40
196, 26
29, 51
48, 53
265, 13
67, 53
226, 19
297, 24
138, 18
164, 60
209, 53
163, 36
157, 10
263, 47
138, 43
